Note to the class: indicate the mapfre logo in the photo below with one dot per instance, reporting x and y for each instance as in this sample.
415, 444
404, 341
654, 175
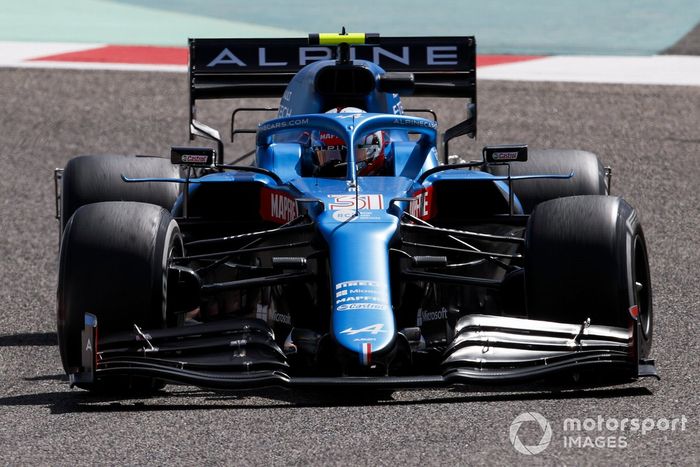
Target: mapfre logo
422, 204
277, 206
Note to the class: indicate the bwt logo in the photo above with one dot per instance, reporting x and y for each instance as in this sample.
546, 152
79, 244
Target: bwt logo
546, 438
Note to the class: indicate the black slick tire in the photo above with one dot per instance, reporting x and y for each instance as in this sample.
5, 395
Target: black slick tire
113, 264
586, 257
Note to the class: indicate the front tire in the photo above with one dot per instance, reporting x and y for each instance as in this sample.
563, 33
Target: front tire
586, 257
113, 264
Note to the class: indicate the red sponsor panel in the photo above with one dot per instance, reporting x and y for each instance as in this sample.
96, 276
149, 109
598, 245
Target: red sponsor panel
277, 206
422, 206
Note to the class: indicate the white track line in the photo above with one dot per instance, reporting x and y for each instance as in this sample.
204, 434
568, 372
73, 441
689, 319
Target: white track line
656, 69
14, 53
101, 66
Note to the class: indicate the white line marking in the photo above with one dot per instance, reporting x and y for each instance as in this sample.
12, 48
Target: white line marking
12, 53
99, 66
656, 69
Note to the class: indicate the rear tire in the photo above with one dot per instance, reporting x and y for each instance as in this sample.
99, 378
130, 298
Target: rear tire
113, 264
586, 257
589, 176
93, 179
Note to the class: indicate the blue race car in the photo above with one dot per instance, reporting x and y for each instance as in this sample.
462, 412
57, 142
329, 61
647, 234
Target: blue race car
354, 251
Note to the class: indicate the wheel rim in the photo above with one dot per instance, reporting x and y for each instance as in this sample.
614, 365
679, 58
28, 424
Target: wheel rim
176, 249
642, 286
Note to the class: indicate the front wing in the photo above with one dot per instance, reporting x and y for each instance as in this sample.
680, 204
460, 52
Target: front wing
242, 354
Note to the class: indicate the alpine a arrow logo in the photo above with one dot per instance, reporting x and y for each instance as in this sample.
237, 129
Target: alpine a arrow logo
374, 329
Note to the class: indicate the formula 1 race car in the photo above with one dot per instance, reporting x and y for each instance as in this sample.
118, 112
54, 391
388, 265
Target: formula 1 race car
351, 253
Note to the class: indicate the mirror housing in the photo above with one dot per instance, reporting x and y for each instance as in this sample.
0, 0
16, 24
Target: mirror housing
192, 156
505, 153
466, 127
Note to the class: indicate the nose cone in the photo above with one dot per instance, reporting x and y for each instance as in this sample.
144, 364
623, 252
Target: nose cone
362, 319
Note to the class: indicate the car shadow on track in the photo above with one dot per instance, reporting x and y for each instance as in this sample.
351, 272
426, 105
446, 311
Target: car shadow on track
28, 339
175, 398
78, 401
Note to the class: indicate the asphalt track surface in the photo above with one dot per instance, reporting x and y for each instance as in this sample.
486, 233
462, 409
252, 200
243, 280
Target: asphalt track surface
650, 135
688, 44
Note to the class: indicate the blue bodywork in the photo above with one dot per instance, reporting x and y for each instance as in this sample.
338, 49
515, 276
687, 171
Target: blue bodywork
358, 219
301, 97
303, 270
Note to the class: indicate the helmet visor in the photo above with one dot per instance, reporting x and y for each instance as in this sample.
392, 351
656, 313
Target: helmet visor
366, 151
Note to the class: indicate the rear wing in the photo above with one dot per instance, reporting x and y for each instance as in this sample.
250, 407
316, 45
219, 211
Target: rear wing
234, 68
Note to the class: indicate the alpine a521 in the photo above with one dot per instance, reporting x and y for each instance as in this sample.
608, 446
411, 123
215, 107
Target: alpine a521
355, 250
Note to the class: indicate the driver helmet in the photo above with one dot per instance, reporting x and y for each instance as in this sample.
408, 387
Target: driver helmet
331, 149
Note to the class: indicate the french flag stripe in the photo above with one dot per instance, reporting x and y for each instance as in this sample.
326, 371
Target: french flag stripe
366, 354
